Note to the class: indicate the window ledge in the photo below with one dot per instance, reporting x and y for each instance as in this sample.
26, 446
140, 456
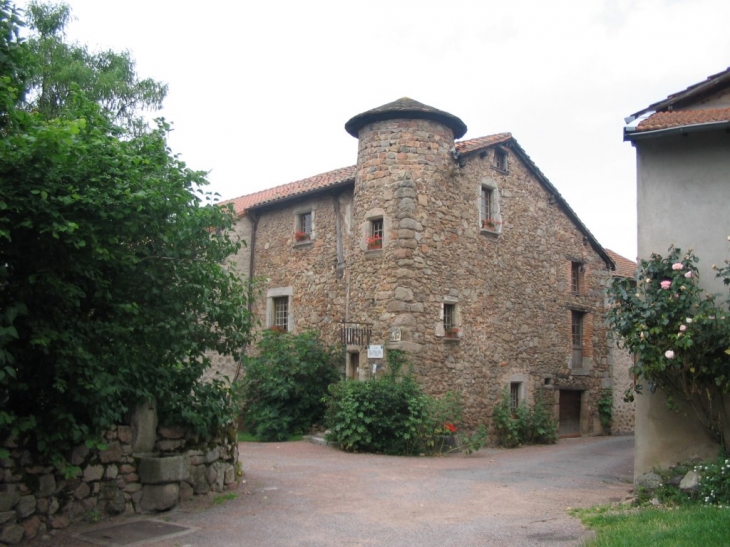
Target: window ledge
305, 243
451, 339
498, 170
373, 253
488, 232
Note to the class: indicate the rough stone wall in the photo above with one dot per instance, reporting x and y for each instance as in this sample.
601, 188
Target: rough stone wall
37, 498
309, 268
511, 285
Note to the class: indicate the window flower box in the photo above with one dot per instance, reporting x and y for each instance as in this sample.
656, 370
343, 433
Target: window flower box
374, 242
301, 236
491, 224
452, 332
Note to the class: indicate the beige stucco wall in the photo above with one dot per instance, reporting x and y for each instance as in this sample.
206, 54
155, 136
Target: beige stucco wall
683, 199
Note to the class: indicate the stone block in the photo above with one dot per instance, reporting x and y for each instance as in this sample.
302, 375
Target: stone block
229, 474
60, 522
171, 432
144, 427
31, 527
112, 472
93, 472
82, 491
200, 483
46, 486
25, 507
186, 491
124, 434
212, 455
158, 470
168, 445
690, 482
79, 454
159, 497
53, 506
7, 516
111, 454
11, 534
9, 496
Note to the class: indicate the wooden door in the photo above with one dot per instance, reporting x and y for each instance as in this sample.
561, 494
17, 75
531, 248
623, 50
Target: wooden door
569, 418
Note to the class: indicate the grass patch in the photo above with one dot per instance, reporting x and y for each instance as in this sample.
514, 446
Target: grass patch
245, 437
685, 526
221, 499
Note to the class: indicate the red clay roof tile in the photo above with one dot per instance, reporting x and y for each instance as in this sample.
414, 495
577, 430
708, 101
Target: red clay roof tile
680, 118
335, 178
624, 266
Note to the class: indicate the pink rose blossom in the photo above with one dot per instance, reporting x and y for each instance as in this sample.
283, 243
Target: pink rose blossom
669, 354
682, 328
677, 266
666, 284
688, 275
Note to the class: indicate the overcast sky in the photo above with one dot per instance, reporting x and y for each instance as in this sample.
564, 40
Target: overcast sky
260, 91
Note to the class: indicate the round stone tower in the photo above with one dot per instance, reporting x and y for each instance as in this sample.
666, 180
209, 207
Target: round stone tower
405, 161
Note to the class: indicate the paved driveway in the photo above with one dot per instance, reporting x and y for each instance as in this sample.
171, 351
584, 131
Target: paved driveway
309, 495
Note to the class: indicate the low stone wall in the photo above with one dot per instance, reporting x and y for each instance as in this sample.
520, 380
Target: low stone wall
36, 498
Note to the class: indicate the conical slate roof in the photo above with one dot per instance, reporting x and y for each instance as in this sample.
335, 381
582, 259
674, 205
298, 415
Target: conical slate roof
408, 109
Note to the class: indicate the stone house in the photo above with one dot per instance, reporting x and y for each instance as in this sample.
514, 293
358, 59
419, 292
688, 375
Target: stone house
463, 254
683, 188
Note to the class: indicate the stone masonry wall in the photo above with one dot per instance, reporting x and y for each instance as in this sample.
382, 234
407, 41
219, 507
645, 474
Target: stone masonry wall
623, 412
309, 268
510, 285
37, 498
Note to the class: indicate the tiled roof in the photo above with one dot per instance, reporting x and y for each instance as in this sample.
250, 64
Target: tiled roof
304, 186
335, 178
692, 94
680, 118
482, 142
409, 109
624, 266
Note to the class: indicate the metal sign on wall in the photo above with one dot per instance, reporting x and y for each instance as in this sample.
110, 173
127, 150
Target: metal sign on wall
375, 352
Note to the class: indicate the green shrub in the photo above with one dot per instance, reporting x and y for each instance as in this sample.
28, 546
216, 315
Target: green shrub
605, 410
526, 425
715, 482
285, 384
391, 415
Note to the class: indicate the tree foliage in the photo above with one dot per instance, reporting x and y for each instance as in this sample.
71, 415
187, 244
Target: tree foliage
285, 383
680, 334
55, 67
112, 287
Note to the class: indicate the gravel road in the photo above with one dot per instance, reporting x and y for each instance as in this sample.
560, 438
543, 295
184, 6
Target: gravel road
302, 494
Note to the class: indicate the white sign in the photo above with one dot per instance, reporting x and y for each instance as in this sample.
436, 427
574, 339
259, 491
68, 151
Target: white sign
375, 352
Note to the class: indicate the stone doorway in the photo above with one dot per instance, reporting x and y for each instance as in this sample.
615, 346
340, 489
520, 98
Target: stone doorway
569, 413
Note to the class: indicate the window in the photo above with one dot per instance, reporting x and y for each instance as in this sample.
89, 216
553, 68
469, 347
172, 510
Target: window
375, 239
486, 205
577, 335
500, 159
576, 271
514, 396
281, 312
449, 316
303, 231
279, 308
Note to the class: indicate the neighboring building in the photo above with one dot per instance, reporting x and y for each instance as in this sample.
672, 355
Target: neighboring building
683, 181
621, 362
462, 254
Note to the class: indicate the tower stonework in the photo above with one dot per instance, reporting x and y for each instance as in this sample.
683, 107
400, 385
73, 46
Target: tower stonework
405, 155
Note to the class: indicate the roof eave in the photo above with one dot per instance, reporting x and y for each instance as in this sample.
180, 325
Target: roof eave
306, 193
631, 134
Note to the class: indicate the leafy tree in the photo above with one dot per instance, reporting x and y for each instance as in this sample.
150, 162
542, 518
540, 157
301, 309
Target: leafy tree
680, 334
55, 68
112, 288
285, 384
